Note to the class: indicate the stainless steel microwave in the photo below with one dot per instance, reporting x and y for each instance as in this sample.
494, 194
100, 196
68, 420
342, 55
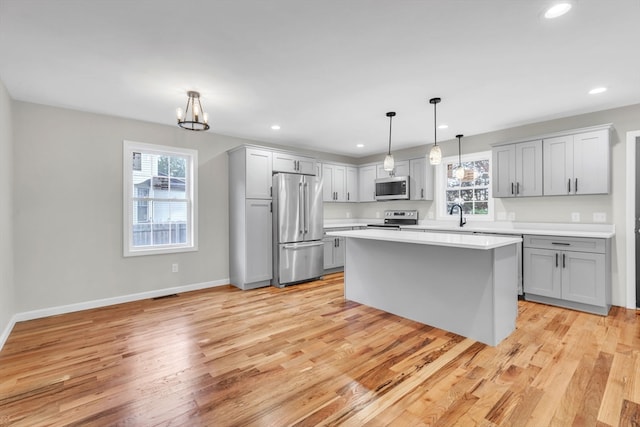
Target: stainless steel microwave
392, 188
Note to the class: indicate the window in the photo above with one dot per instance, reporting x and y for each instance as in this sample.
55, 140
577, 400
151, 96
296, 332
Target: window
159, 199
473, 191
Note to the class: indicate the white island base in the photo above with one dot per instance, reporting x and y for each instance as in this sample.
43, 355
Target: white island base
466, 284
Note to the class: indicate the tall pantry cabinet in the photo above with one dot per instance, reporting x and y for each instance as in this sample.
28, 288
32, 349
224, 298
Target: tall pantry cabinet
250, 222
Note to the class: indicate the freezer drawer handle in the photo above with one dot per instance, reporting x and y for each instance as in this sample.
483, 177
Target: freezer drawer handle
561, 243
303, 245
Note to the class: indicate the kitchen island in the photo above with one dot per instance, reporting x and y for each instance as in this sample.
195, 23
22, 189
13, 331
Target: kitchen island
464, 284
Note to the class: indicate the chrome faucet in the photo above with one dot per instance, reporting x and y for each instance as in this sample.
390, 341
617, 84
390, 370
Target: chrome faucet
462, 220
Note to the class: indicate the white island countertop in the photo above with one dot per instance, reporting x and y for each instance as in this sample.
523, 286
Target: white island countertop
468, 241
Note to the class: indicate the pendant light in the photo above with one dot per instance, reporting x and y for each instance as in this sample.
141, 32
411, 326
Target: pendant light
435, 155
193, 117
460, 171
389, 163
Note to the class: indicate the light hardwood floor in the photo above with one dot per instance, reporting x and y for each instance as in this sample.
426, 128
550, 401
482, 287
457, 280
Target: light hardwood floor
304, 356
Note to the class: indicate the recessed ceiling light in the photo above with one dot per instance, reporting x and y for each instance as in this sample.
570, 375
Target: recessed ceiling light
596, 90
275, 127
557, 10
443, 126
359, 145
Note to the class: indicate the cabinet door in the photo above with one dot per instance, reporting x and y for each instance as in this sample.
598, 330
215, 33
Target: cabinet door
528, 157
420, 179
402, 168
258, 240
583, 277
339, 252
367, 183
328, 195
306, 165
542, 272
340, 183
258, 174
504, 170
352, 184
557, 165
329, 245
591, 162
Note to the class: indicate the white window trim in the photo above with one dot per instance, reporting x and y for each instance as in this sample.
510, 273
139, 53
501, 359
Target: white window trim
128, 148
441, 183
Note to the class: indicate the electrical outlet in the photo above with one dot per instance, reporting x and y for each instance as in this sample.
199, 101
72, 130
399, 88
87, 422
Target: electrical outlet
575, 216
348, 214
174, 268
430, 215
599, 217
378, 214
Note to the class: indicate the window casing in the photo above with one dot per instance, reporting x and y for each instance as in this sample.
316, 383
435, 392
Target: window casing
473, 192
160, 187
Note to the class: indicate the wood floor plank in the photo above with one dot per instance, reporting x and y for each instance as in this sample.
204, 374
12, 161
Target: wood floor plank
303, 355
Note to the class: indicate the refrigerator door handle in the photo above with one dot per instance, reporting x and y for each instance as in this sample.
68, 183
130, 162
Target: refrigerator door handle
300, 208
303, 245
307, 207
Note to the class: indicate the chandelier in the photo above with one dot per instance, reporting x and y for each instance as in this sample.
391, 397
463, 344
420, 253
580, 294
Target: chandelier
193, 117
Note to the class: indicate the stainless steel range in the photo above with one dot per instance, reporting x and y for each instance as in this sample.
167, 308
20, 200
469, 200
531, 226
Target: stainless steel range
394, 219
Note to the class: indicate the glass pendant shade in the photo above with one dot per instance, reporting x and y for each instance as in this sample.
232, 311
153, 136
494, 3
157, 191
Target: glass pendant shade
460, 172
435, 155
389, 163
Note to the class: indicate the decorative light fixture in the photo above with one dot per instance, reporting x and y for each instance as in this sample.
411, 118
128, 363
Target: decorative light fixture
460, 172
193, 117
435, 155
389, 163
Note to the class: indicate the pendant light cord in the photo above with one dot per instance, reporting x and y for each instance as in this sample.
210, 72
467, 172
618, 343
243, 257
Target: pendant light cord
459, 155
390, 121
435, 125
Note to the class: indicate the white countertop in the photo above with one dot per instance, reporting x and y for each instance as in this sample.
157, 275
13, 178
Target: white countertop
468, 241
602, 231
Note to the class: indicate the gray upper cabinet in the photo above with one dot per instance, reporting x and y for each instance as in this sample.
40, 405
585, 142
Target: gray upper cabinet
258, 173
292, 163
334, 185
367, 183
420, 179
352, 184
577, 164
401, 168
517, 169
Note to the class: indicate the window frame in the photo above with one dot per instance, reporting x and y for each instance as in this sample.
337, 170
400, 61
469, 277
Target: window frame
191, 190
441, 186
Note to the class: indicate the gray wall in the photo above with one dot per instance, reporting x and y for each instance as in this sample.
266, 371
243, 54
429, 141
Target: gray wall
68, 203
7, 300
543, 209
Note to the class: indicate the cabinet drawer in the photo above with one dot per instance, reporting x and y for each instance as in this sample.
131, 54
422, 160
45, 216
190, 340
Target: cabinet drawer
578, 244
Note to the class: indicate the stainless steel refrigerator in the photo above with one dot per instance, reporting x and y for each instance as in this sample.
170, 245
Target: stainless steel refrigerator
298, 250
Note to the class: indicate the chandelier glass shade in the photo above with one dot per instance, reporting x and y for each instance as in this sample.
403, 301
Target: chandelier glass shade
193, 117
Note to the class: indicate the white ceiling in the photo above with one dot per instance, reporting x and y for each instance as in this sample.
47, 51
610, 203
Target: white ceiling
327, 71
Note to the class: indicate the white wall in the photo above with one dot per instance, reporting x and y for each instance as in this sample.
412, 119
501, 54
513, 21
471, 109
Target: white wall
7, 299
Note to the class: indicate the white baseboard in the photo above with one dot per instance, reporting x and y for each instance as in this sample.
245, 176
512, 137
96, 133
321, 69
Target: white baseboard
7, 331
52, 311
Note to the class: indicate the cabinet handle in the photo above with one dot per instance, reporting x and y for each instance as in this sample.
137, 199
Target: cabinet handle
556, 259
517, 188
561, 243
569, 184
576, 186
512, 188
338, 240
422, 193
564, 264
348, 196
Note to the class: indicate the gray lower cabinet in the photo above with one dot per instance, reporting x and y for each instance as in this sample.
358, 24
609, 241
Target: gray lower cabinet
568, 272
333, 252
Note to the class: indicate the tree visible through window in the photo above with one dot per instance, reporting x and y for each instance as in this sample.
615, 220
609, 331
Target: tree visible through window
473, 191
160, 199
